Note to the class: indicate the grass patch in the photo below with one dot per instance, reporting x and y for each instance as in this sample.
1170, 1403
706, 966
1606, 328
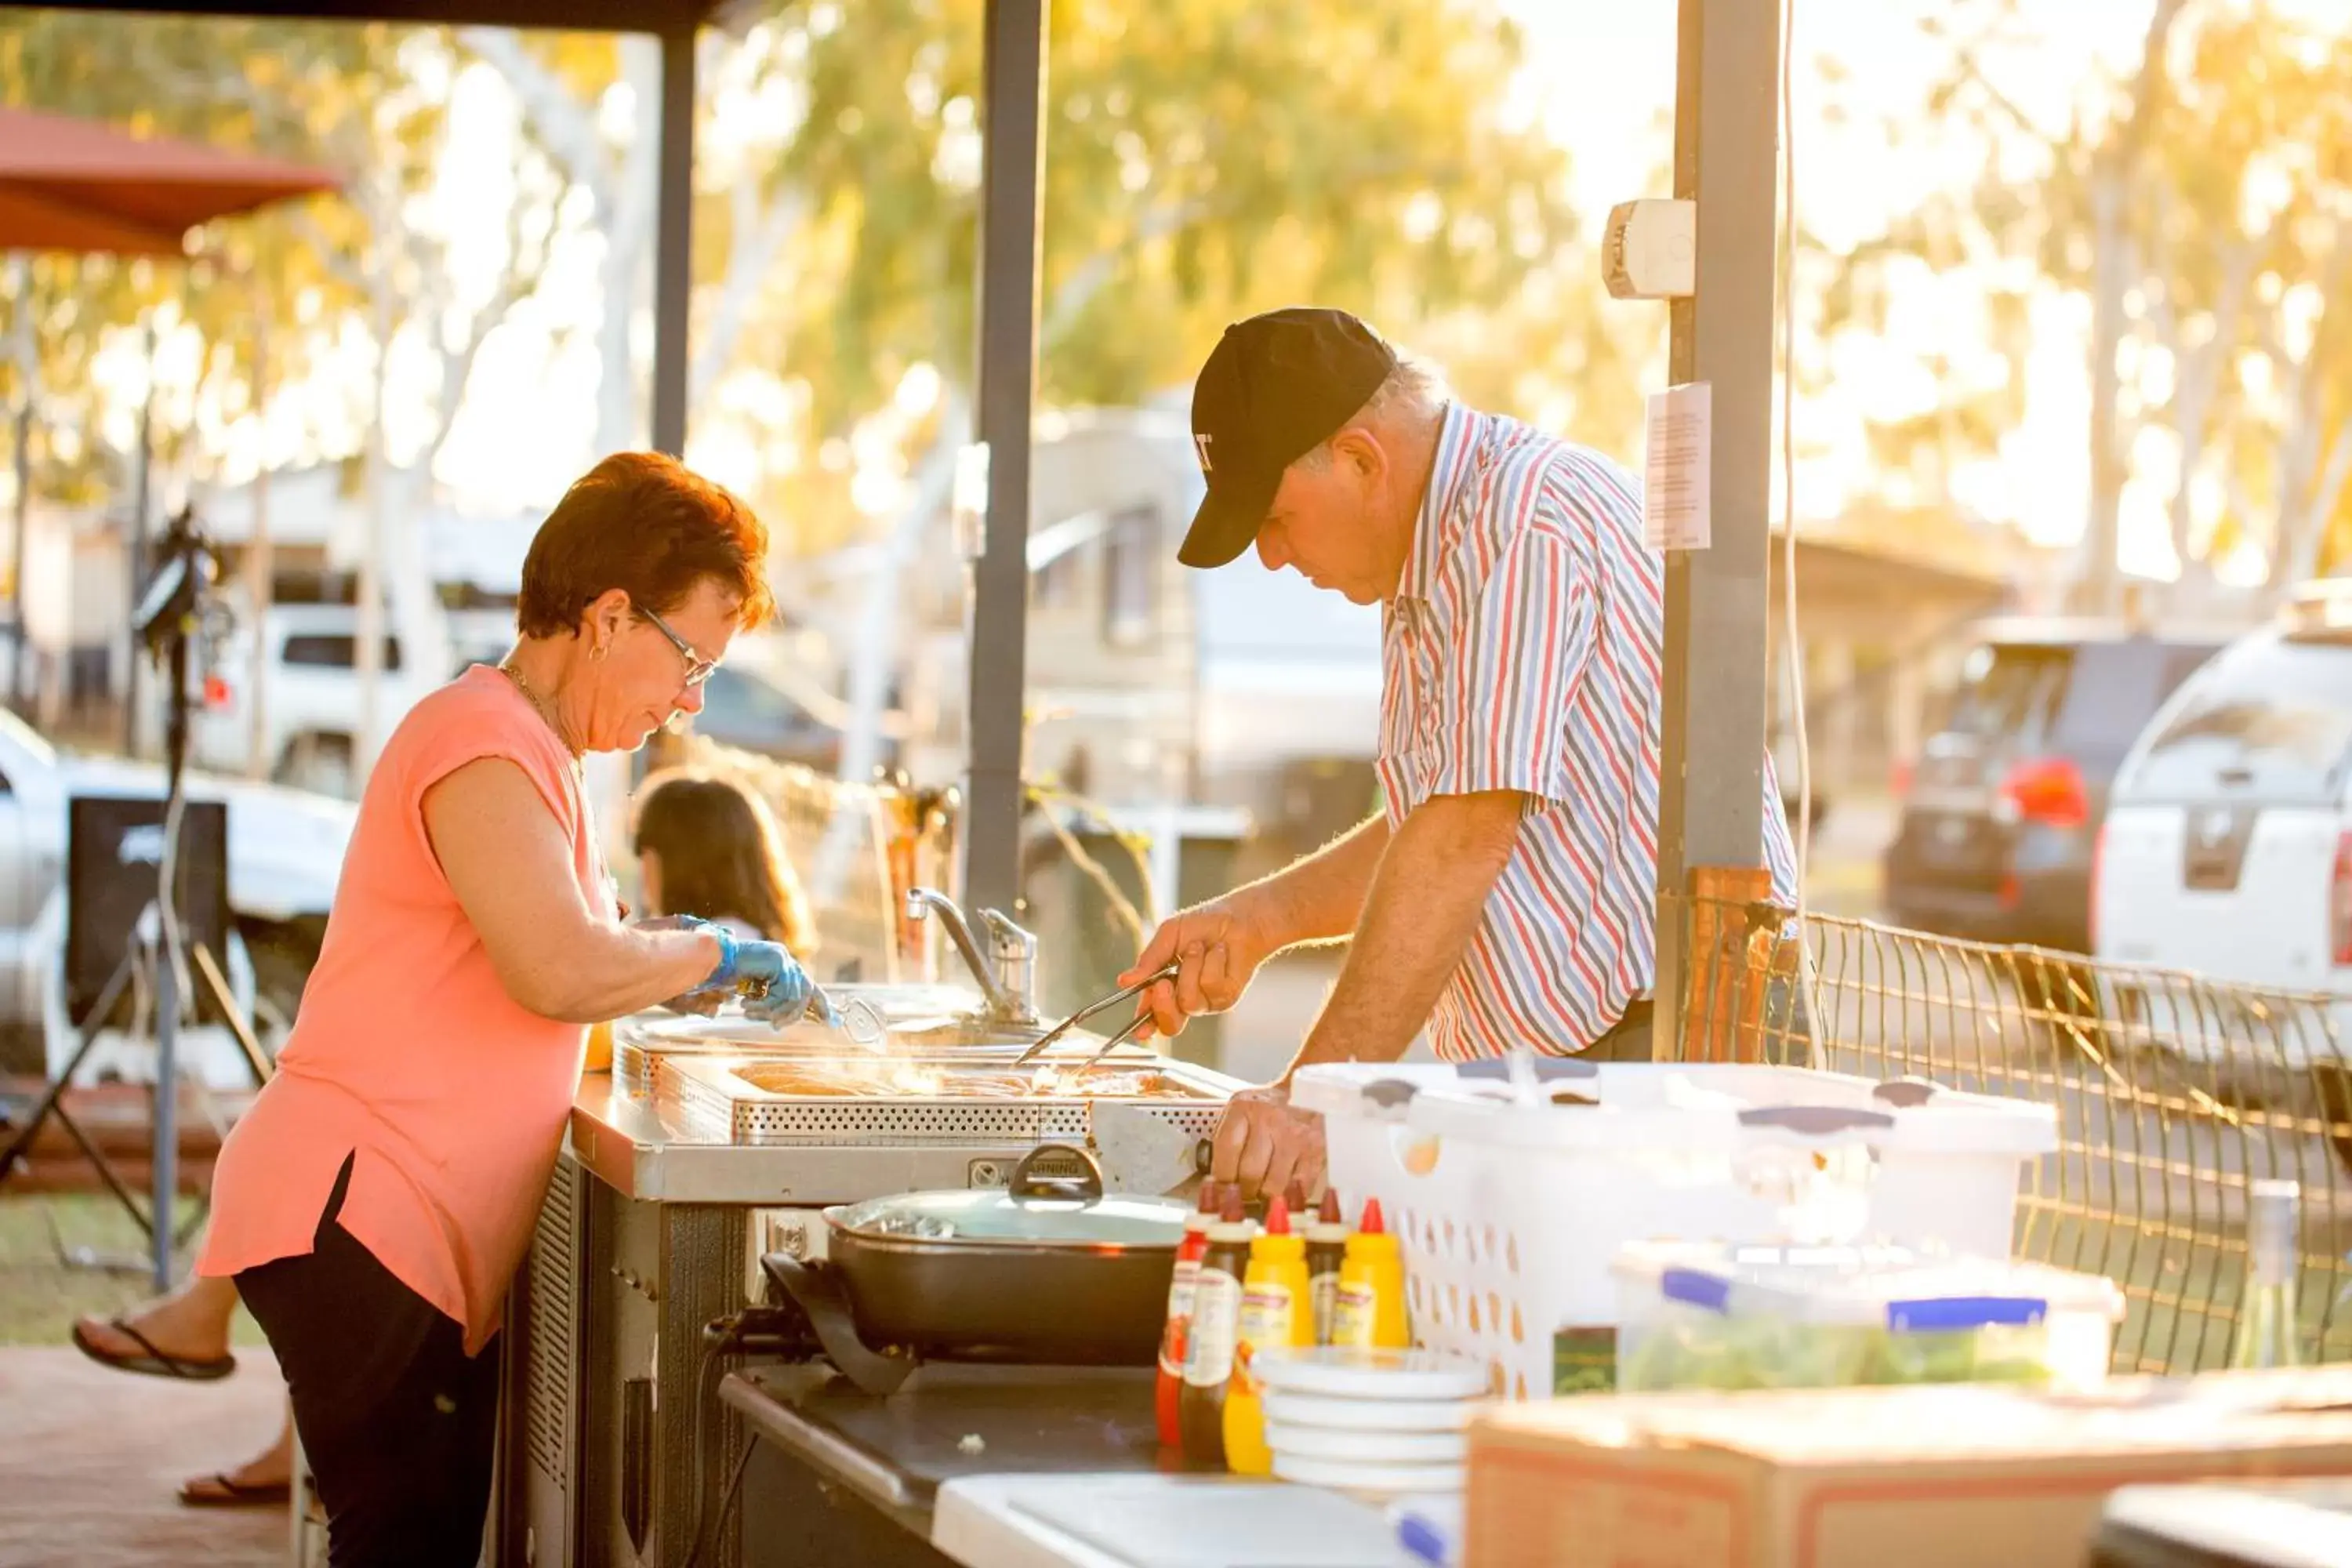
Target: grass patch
41, 1294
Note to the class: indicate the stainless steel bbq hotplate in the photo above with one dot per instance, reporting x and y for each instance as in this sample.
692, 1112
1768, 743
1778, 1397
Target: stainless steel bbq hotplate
862, 1102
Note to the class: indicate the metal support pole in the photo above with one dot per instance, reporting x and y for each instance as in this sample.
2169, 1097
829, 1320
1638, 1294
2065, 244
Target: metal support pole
168, 933
673, 291
672, 242
26, 354
260, 571
1012, 87
19, 643
1710, 781
136, 555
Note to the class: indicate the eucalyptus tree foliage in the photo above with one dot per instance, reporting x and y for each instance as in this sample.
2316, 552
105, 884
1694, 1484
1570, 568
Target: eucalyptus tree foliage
2199, 202
366, 272
1203, 158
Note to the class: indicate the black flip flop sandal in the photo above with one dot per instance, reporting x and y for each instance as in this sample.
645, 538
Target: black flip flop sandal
220, 1491
155, 1363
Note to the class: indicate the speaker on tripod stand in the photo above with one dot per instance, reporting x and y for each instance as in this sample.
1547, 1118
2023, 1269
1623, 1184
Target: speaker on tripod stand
147, 894
114, 859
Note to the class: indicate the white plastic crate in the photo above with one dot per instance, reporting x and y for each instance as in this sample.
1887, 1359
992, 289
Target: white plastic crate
1510, 1215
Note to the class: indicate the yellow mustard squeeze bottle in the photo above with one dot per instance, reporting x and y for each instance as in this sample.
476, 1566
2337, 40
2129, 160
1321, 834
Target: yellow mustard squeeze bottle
1275, 1315
1369, 1312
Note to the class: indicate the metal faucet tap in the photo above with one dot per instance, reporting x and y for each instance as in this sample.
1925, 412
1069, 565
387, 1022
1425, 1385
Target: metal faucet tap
1016, 963
1009, 994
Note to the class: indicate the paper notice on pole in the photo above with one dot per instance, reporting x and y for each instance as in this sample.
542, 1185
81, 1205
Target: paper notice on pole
1674, 484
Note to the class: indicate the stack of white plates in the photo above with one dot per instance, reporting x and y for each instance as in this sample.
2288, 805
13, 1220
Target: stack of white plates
1377, 1422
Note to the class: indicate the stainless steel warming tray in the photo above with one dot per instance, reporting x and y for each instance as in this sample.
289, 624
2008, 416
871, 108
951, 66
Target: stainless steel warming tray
854, 1102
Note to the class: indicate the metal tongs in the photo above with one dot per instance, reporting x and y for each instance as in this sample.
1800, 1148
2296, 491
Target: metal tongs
1037, 1047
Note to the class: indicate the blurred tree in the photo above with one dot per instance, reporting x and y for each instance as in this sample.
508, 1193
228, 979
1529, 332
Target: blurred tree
380, 265
2106, 167
370, 102
2304, 330
2069, 217
74, 64
2198, 205
1203, 157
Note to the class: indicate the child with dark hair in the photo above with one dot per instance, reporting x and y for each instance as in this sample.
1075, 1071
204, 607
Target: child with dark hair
709, 846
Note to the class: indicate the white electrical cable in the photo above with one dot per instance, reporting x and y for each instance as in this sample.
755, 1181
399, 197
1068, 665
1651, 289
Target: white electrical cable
1794, 641
1788, 265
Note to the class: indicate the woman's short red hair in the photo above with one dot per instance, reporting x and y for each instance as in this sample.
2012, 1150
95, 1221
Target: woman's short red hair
647, 524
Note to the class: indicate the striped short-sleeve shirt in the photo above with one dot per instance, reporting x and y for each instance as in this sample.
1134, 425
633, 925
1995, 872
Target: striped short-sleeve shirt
1523, 651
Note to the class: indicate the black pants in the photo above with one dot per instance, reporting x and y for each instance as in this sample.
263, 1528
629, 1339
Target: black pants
1628, 1039
1784, 1041
397, 1422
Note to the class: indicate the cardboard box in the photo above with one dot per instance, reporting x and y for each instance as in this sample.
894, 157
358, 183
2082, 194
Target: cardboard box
1956, 1476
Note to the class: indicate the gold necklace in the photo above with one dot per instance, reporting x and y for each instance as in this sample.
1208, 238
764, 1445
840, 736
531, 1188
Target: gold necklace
542, 707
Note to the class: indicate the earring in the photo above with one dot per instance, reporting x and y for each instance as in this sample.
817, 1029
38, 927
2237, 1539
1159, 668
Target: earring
600, 651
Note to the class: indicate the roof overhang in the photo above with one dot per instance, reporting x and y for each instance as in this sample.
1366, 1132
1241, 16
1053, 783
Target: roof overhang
664, 16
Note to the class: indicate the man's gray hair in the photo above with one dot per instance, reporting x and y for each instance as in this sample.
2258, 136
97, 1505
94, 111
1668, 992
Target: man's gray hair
1415, 389
1415, 392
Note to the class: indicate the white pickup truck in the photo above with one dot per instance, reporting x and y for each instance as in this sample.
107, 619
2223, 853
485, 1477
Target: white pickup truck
284, 851
312, 714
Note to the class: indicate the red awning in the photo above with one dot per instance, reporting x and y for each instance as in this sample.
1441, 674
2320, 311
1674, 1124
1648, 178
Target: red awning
72, 184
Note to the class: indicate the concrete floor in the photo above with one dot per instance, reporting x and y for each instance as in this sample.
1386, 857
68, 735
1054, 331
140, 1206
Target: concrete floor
91, 1461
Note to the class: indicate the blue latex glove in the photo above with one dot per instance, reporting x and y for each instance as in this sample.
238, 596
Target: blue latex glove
775, 988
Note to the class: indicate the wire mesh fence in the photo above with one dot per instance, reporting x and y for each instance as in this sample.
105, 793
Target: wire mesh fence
2173, 1093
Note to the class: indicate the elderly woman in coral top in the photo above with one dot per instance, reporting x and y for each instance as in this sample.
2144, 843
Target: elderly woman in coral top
374, 1204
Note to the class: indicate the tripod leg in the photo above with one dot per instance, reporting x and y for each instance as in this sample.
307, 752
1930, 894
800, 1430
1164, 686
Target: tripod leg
106, 1171
48, 1107
208, 971
42, 1112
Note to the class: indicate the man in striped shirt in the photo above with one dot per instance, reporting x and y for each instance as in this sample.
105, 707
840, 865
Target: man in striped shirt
1506, 892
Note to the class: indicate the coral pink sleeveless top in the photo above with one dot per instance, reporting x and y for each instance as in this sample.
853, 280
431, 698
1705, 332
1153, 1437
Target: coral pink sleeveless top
407, 1054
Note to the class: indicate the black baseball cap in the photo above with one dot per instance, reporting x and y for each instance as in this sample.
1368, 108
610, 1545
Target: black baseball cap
1276, 387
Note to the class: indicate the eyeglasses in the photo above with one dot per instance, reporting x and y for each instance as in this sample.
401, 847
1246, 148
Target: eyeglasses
698, 668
